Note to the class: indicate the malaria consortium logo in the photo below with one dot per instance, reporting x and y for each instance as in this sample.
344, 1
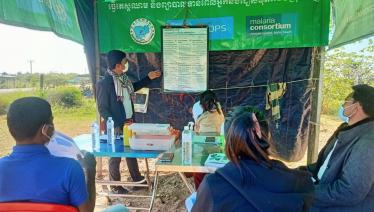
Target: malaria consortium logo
142, 31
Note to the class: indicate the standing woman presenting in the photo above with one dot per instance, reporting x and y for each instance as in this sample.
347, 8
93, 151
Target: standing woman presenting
114, 98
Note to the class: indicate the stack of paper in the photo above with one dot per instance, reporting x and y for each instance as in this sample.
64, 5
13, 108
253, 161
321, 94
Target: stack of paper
148, 136
150, 129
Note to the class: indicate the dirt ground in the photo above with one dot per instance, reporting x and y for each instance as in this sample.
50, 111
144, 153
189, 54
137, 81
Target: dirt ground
171, 191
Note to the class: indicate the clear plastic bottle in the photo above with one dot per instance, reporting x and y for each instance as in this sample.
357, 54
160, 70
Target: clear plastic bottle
95, 136
222, 137
187, 146
110, 132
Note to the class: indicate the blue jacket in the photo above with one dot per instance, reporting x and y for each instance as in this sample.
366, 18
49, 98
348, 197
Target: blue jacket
255, 187
107, 102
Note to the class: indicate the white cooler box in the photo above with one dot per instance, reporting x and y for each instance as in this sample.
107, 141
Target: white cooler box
150, 129
151, 142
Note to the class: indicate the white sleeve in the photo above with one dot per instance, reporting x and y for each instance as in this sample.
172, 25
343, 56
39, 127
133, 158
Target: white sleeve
196, 110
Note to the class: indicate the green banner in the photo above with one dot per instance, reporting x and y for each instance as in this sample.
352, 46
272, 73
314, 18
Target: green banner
354, 20
135, 26
58, 16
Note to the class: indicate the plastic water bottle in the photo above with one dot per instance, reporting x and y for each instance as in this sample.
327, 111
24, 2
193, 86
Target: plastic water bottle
187, 146
222, 137
110, 132
95, 135
191, 125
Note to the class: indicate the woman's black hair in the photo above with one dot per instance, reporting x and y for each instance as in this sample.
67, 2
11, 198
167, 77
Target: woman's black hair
242, 141
236, 111
209, 102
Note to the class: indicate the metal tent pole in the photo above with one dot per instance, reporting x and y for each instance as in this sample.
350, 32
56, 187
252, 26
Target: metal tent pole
97, 74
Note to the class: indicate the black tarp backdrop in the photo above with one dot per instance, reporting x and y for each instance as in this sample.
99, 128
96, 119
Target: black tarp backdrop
240, 78
250, 70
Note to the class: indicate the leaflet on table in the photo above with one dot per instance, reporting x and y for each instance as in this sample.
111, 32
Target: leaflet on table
216, 160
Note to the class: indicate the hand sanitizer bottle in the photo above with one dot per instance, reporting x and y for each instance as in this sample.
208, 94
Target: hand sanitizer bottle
110, 132
187, 146
95, 136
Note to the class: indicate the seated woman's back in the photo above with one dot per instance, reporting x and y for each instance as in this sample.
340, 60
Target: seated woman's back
209, 122
251, 181
254, 187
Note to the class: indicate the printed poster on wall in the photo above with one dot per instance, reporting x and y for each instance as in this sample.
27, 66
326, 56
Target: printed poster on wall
185, 59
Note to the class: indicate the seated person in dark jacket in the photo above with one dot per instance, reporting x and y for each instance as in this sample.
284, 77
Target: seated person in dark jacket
344, 171
114, 99
251, 181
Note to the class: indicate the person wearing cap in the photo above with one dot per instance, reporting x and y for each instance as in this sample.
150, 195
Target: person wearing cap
114, 98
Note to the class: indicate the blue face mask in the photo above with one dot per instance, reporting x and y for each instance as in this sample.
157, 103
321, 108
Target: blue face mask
341, 113
342, 116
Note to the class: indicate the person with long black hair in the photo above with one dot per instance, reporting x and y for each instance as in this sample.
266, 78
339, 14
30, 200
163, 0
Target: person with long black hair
251, 181
212, 117
210, 121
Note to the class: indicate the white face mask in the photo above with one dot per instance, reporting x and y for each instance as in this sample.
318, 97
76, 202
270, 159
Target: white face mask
46, 135
125, 64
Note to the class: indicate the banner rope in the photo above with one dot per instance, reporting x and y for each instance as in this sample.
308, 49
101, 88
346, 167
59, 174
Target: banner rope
254, 86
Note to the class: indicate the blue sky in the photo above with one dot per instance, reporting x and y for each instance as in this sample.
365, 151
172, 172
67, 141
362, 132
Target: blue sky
53, 54
357, 46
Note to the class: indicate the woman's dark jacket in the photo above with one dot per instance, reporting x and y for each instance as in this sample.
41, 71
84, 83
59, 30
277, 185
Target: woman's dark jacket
250, 186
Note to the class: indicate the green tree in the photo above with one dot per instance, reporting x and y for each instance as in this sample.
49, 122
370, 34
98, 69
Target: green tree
342, 70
